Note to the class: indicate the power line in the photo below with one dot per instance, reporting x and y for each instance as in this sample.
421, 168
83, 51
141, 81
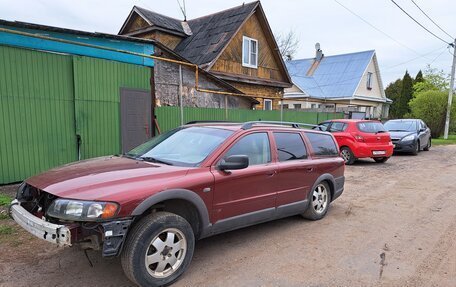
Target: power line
429, 31
374, 27
431, 19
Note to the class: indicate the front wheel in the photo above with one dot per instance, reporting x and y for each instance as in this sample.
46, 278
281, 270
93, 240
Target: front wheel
347, 154
319, 202
416, 148
158, 249
381, 159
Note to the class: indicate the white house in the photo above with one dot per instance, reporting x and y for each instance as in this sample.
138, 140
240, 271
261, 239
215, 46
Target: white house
341, 82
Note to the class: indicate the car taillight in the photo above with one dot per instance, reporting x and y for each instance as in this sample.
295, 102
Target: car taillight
359, 138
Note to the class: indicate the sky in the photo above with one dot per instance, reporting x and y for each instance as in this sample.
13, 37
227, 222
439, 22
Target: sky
406, 46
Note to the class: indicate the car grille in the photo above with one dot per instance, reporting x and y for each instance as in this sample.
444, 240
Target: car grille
395, 140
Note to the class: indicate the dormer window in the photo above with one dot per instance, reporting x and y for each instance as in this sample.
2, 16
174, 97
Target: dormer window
369, 81
249, 52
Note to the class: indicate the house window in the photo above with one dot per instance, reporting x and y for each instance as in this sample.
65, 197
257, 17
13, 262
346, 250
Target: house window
369, 81
267, 105
297, 106
314, 106
285, 106
249, 52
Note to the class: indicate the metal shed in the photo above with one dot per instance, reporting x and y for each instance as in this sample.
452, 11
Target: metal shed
61, 101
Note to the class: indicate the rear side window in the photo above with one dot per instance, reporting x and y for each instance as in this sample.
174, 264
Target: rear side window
322, 144
290, 146
338, 127
371, 127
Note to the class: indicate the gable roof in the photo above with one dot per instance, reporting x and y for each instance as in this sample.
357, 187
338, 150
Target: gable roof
212, 33
335, 77
155, 19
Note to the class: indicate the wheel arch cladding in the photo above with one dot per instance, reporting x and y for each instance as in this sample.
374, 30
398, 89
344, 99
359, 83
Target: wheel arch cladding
178, 196
327, 178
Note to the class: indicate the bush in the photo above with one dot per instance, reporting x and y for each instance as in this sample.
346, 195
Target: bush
430, 106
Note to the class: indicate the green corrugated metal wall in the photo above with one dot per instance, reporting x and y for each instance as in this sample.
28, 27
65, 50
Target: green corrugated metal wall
36, 112
97, 98
169, 117
46, 99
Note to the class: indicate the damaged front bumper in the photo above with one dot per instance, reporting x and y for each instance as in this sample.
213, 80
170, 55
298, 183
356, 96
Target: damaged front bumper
54, 233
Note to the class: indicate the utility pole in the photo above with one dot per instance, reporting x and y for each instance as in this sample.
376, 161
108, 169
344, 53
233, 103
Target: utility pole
450, 93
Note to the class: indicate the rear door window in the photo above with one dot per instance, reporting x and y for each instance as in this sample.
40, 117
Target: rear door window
338, 127
290, 146
322, 144
371, 127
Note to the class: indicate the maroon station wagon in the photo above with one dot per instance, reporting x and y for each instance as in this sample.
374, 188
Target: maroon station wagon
151, 204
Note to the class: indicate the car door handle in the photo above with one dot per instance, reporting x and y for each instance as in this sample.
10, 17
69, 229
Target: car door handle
271, 173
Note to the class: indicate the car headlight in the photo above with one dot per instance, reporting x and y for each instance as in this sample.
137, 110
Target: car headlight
79, 210
408, 138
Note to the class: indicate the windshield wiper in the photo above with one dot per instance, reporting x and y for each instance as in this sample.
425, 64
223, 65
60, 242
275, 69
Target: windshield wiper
379, 132
154, 159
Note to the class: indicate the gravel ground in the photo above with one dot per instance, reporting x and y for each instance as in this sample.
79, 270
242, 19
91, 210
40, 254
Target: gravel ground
394, 226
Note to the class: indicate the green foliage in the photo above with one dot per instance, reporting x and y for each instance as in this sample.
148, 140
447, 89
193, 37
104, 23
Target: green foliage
440, 141
433, 79
5, 200
402, 107
430, 106
5, 230
418, 78
393, 92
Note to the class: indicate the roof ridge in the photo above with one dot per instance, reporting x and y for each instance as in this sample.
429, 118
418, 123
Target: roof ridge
172, 18
346, 54
225, 10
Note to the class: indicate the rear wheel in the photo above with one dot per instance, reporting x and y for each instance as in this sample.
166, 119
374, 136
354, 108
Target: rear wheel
158, 249
347, 155
319, 202
381, 159
417, 148
428, 146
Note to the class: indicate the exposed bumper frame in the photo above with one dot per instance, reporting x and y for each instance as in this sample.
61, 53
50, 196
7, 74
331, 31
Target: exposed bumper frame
54, 233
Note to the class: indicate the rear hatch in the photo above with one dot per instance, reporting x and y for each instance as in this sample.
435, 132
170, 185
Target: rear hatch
373, 132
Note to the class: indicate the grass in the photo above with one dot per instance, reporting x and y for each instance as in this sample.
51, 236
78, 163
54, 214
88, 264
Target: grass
5, 200
6, 230
440, 141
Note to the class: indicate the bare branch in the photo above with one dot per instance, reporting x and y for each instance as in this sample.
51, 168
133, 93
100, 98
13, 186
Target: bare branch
288, 44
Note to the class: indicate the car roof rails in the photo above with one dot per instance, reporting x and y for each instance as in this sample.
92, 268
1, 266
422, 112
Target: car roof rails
208, 122
249, 125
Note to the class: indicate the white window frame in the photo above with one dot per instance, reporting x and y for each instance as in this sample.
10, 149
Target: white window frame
250, 40
264, 104
369, 81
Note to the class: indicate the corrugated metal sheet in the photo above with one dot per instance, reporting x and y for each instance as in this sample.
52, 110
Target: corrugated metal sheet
169, 117
36, 112
97, 86
335, 77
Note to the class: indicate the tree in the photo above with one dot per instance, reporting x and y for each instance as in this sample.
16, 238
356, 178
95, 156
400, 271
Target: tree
433, 79
400, 108
288, 45
393, 92
418, 78
430, 106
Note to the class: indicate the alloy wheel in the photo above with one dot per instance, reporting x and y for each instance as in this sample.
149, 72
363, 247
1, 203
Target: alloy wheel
345, 155
320, 198
166, 253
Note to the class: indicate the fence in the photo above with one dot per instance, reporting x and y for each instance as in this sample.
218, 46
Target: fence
169, 117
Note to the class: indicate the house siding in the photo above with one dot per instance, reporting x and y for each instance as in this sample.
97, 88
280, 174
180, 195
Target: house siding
167, 89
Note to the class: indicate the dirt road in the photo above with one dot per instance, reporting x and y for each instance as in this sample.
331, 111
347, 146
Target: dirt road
395, 225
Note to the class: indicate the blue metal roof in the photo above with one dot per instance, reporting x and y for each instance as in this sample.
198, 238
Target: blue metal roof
335, 77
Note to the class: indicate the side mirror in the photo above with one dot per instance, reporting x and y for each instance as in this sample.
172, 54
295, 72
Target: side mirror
234, 162
422, 130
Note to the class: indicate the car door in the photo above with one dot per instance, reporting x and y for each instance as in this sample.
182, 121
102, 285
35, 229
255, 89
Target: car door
424, 134
296, 172
246, 196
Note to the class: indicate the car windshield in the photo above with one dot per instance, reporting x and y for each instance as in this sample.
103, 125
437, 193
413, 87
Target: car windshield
181, 147
400, 126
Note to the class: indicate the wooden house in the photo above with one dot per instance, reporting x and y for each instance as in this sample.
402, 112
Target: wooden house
235, 45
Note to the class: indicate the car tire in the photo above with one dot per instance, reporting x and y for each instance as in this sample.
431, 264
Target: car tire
428, 147
348, 156
320, 198
381, 159
417, 149
158, 249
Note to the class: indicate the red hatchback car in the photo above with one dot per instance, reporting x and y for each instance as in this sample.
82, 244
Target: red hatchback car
360, 139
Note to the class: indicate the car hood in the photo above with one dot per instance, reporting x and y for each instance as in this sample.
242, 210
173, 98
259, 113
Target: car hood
105, 178
399, 135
